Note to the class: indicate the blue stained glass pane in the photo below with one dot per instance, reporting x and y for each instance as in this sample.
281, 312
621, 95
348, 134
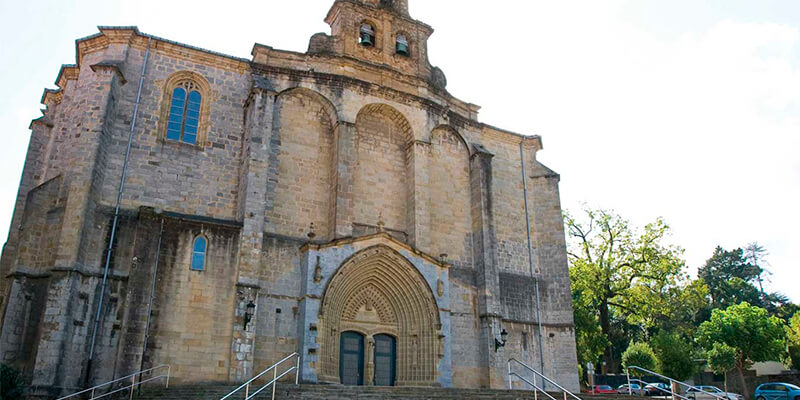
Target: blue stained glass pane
179, 93
176, 114
173, 134
200, 244
198, 261
191, 125
195, 97
189, 138
199, 253
192, 114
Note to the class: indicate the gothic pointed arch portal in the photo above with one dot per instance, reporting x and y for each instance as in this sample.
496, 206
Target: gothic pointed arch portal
377, 292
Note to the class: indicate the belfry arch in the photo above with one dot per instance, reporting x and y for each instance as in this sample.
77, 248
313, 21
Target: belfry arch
379, 292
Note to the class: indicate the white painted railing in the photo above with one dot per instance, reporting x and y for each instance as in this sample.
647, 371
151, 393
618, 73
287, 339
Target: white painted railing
670, 392
273, 382
124, 380
536, 388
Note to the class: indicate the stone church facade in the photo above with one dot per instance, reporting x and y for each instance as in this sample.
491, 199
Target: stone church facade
338, 203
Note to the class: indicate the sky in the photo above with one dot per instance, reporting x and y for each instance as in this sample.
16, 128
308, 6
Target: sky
683, 109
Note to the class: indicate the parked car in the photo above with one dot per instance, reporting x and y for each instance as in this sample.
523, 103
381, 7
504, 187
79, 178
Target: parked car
778, 391
711, 393
657, 389
604, 389
635, 389
601, 389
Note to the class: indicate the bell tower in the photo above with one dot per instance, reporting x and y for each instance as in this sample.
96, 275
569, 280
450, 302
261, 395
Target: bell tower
380, 32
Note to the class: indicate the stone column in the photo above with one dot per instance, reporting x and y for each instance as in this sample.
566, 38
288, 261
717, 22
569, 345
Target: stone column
369, 363
244, 334
259, 114
419, 213
484, 248
346, 159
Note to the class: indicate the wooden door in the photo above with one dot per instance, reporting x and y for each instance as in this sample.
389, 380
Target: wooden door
385, 360
351, 359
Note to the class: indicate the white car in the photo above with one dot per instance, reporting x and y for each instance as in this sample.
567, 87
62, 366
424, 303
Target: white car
711, 393
635, 389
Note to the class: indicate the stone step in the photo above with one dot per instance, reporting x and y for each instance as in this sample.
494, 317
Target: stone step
286, 391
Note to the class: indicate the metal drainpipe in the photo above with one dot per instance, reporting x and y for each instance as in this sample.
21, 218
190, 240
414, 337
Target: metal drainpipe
530, 261
116, 214
152, 296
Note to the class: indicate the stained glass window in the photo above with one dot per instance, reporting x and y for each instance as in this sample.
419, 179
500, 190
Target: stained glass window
184, 113
199, 254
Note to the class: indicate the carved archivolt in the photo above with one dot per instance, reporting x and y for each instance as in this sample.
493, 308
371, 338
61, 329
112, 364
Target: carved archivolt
379, 291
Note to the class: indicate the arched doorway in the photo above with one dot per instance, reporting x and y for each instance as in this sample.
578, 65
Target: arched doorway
379, 299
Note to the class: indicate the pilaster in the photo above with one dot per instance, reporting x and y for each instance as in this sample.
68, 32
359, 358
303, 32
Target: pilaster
419, 213
346, 159
259, 116
244, 334
485, 256
255, 170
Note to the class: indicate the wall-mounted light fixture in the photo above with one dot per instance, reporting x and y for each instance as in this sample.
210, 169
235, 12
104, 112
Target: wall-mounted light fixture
248, 314
502, 342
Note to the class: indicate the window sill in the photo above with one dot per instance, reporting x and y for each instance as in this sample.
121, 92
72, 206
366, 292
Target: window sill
200, 146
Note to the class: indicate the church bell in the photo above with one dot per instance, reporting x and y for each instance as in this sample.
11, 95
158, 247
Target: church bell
367, 35
402, 46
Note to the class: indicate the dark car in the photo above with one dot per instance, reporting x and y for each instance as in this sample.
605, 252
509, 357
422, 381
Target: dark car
657, 389
778, 391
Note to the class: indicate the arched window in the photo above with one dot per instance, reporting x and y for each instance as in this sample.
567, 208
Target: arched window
199, 253
184, 113
401, 45
367, 36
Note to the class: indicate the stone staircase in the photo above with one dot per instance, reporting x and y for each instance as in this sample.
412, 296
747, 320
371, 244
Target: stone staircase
335, 392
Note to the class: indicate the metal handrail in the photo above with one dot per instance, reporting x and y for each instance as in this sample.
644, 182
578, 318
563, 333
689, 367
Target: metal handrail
273, 382
133, 384
544, 378
536, 389
641, 383
644, 385
674, 395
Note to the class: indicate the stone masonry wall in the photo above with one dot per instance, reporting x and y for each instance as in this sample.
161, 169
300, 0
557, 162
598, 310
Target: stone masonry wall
380, 180
302, 160
193, 310
197, 179
451, 220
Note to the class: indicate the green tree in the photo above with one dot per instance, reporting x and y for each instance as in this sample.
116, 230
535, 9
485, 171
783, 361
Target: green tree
793, 356
721, 360
589, 339
675, 355
737, 275
756, 255
751, 331
730, 278
639, 355
624, 272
